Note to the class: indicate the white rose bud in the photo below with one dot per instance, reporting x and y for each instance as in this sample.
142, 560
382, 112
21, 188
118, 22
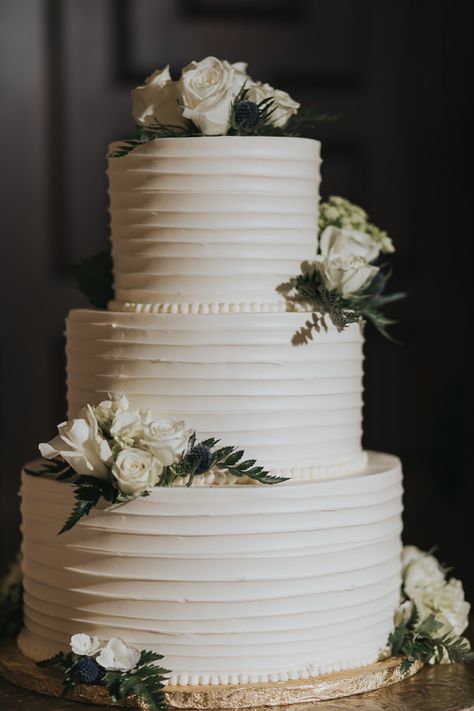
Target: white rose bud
283, 106
207, 89
80, 443
156, 102
136, 471
106, 410
118, 656
165, 439
83, 645
127, 427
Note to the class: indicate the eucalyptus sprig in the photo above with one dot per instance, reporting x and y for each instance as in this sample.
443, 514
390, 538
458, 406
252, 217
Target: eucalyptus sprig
145, 681
419, 641
145, 135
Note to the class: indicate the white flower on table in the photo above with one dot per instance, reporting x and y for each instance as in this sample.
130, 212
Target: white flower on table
156, 102
446, 602
207, 90
136, 471
165, 439
83, 645
117, 655
410, 554
80, 443
283, 106
422, 573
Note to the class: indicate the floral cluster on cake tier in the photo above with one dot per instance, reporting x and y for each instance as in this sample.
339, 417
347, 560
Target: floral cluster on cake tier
347, 279
212, 97
119, 453
432, 615
123, 670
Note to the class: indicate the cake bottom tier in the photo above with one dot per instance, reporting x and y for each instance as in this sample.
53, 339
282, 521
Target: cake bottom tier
232, 584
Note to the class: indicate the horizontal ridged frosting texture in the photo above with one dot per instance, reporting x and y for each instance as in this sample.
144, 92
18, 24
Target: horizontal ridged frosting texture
212, 220
233, 376
230, 584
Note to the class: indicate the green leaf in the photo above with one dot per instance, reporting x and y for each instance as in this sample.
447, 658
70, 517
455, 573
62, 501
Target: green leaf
88, 490
59, 659
94, 278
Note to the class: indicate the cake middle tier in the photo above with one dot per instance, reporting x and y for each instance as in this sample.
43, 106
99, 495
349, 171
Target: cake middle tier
233, 376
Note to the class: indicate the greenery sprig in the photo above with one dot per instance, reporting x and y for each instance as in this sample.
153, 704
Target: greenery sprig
420, 642
308, 289
145, 680
203, 457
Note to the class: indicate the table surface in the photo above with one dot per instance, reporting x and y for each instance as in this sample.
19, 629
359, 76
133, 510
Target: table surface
441, 688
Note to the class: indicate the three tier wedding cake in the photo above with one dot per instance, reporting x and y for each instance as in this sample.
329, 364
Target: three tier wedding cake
283, 563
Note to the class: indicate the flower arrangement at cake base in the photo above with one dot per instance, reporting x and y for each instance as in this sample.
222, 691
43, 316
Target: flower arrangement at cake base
429, 623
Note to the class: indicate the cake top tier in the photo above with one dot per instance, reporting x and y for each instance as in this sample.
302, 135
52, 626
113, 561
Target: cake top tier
212, 223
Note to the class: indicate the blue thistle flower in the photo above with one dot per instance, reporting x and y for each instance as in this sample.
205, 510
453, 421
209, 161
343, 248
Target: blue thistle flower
88, 670
246, 114
198, 459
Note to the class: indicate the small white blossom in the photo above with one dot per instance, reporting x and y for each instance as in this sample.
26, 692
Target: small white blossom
117, 655
446, 602
422, 573
84, 645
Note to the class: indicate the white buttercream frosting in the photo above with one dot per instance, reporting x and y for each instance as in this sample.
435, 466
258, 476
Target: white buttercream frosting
231, 584
212, 220
232, 376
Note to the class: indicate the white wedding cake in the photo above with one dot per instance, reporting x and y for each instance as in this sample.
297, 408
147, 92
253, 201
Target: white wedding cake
233, 581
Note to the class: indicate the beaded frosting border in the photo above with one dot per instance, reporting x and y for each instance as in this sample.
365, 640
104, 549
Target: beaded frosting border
311, 473
200, 308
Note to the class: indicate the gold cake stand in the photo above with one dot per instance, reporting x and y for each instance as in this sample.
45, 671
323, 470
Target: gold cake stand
19, 670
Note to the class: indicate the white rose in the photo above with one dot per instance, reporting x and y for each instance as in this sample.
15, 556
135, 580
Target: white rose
207, 89
136, 471
446, 602
81, 444
283, 106
127, 427
422, 573
156, 102
83, 645
165, 439
118, 656
345, 272
334, 240
106, 410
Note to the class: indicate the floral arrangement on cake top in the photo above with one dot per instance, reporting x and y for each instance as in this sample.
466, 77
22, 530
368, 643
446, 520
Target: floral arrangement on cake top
212, 97
120, 668
432, 615
346, 281
119, 453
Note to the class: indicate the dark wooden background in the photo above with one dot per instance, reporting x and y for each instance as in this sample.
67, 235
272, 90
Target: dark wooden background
399, 74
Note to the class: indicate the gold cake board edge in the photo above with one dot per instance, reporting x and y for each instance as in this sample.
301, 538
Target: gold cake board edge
21, 671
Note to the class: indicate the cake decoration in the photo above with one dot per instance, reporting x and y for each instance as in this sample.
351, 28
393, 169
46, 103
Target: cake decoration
118, 453
432, 615
212, 97
347, 280
123, 670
